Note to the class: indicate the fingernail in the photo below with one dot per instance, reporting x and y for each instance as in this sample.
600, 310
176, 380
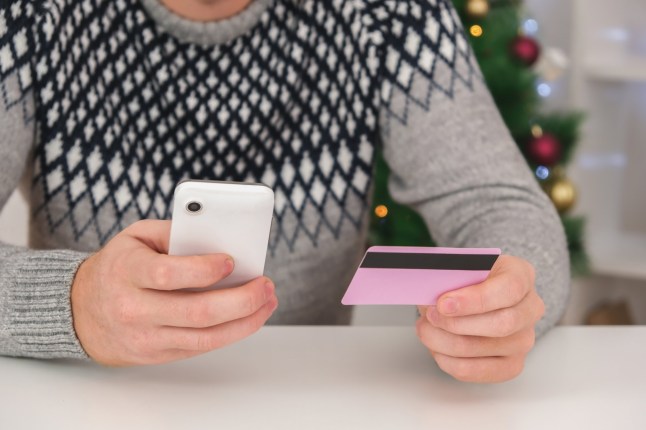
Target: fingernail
274, 305
269, 289
228, 265
448, 306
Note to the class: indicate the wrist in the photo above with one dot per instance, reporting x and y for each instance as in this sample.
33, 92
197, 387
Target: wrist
79, 305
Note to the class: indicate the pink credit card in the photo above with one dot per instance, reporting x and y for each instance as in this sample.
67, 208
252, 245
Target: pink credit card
398, 275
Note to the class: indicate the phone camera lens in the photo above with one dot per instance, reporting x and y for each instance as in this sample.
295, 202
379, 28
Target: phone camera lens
194, 207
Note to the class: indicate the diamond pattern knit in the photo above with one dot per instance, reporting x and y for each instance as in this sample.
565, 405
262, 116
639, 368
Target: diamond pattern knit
16, 50
125, 110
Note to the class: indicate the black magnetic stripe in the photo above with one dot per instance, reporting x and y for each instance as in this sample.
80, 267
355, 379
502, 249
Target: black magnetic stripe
392, 260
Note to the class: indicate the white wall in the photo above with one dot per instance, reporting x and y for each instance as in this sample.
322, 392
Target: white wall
555, 18
555, 30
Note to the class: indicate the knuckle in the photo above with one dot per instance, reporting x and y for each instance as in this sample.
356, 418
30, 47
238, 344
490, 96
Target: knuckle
252, 301
442, 361
206, 342
451, 325
137, 224
507, 323
160, 276
462, 370
514, 289
198, 315
256, 326
247, 327
134, 227
248, 304
482, 301
514, 368
460, 326
528, 341
464, 346
256, 322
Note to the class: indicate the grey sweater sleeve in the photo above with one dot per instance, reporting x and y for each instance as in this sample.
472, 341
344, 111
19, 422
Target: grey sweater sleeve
452, 158
35, 310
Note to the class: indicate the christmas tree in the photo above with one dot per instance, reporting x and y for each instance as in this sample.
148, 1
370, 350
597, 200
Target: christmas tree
517, 71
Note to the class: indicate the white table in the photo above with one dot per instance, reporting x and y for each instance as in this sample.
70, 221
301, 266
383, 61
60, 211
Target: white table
338, 378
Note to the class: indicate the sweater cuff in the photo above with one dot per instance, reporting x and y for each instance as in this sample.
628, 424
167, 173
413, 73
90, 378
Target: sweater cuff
39, 318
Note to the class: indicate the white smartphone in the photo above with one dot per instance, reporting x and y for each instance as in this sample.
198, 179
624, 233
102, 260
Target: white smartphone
211, 217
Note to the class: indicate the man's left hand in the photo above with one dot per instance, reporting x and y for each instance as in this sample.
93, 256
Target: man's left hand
483, 333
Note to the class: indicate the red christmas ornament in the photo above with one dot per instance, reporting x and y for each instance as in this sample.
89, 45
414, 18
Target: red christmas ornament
544, 150
525, 49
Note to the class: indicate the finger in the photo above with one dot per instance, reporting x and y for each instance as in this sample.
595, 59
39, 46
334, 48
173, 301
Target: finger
208, 308
481, 370
160, 357
155, 271
445, 343
171, 355
208, 339
509, 282
500, 323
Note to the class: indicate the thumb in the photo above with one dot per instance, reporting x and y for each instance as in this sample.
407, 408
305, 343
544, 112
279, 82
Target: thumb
155, 234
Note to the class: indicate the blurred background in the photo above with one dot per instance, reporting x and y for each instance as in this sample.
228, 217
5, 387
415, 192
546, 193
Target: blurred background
606, 44
569, 77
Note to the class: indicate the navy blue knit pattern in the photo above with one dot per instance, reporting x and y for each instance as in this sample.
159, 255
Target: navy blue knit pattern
125, 110
16, 53
426, 53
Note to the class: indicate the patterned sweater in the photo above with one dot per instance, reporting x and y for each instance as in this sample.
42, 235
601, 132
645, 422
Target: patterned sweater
106, 104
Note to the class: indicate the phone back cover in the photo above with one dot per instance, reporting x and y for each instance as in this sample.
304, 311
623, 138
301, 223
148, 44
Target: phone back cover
235, 220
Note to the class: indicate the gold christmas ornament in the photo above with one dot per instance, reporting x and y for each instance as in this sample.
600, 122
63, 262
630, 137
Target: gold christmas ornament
477, 8
562, 193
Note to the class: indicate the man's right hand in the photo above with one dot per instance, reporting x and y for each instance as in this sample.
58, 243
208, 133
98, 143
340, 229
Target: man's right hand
129, 309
